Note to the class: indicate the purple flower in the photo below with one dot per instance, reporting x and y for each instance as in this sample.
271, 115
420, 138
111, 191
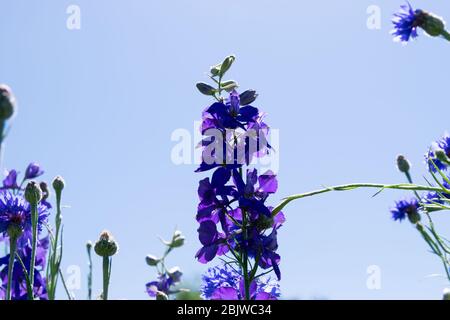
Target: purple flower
213, 241
165, 282
225, 283
10, 182
404, 209
15, 210
406, 22
19, 288
33, 171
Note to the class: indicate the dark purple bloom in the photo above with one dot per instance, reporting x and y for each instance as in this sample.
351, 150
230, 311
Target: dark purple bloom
10, 181
405, 208
406, 22
15, 210
33, 171
164, 283
19, 289
213, 241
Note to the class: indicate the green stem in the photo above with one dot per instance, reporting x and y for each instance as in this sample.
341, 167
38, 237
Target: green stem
106, 274
55, 259
90, 275
446, 35
347, 187
12, 255
245, 257
34, 220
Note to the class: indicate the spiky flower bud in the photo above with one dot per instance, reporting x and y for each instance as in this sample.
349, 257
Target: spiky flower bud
403, 164
106, 246
432, 24
7, 102
33, 193
58, 184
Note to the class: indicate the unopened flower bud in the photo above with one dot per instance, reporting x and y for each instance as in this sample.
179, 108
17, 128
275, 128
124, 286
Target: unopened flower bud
7, 102
229, 85
89, 245
175, 273
45, 191
177, 240
161, 296
226, 64
58, 184
106, 246
441, 156
446, 294
152, 260
432, 24
403, 164
205, 89
248, 97
33, 193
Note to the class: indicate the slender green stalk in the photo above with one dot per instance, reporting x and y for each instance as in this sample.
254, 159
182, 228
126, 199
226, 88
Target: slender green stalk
56, 255
89, 248
12, 254
446, 35
347, 187
245, 258
106, 276
34, 219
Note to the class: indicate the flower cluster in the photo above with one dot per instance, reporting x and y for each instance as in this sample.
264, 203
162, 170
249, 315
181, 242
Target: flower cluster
16, 222
225, 283
235, 220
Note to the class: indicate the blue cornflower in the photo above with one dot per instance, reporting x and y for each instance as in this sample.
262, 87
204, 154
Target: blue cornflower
406, 22
16, 211
405, 209
225, 283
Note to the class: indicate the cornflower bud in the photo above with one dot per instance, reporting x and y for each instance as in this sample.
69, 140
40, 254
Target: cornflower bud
33, 193
58, 184
106, 246
7, 102
403, 164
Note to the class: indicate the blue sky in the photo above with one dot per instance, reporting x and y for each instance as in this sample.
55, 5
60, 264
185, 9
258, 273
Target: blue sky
98, 106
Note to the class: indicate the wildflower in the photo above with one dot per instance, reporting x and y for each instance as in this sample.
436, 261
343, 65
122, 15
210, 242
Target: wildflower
406, 209
16, 211
407, 20
164, 284
106, 246
213, 241
225, 283
33, 171
19, 288
10, 181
